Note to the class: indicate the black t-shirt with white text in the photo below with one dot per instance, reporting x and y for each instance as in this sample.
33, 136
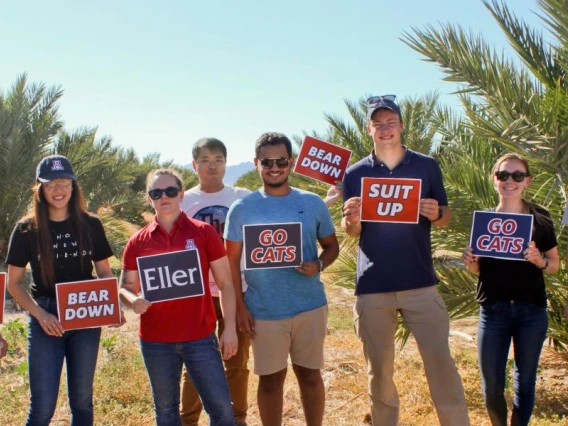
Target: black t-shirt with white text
502, 280
67, 258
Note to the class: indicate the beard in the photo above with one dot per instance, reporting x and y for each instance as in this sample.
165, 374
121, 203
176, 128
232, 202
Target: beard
276, 184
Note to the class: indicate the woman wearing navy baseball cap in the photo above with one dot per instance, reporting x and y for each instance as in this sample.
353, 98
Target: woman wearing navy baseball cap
62, 242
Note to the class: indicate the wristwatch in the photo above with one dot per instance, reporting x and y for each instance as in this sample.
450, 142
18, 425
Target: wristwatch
440, 215
321, 265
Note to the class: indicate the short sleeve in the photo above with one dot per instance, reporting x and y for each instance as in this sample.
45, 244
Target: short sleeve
214, 247
325, 223
548, 238
101, 246
233, 223
437, 190
19, 250
130, 254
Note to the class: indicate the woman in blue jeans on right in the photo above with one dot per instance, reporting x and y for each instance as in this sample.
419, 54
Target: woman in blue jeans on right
513, 300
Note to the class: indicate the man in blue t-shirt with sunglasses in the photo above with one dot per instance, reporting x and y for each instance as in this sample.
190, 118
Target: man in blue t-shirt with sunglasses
284, 311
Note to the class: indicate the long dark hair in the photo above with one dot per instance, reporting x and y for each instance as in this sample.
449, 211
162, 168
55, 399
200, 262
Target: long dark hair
531, 208
38, 220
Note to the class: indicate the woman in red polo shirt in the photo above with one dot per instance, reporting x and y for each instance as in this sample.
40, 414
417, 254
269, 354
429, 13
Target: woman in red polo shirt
181, 331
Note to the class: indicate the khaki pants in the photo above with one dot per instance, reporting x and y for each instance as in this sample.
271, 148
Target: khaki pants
237, 374
424, 312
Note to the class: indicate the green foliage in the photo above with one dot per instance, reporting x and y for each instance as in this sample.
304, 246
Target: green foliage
507, 105
29, 120
113, 179
109, 344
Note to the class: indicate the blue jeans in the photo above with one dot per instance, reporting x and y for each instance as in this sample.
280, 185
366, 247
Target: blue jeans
203, 362
46, 353
526, 325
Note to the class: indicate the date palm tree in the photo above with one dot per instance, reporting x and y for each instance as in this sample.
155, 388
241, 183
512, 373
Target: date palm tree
29, 121
518, 105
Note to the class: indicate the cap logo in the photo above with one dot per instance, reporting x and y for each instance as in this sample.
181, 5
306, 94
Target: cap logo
56, 165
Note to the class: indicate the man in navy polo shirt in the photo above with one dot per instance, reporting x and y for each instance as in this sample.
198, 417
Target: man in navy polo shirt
395, 273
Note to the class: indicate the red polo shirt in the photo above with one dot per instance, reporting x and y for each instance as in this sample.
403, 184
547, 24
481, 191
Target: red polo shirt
179, 320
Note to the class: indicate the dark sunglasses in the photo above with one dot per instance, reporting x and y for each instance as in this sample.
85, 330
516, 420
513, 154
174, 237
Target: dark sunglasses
281, 162
170, 191
517, 175
380, 99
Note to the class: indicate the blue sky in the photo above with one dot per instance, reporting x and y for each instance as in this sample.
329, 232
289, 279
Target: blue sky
156, 76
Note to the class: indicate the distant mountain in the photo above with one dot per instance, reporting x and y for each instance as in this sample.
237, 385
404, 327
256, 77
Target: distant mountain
233, 173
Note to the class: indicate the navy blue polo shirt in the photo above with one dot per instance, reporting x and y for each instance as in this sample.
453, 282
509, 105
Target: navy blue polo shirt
396, 256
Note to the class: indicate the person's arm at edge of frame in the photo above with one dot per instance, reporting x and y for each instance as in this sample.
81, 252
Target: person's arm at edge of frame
228, 342
129, 284
245, 321
47, 321
3, 347
334, 193
103, 270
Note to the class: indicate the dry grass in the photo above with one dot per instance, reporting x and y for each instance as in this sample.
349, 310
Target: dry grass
122, 395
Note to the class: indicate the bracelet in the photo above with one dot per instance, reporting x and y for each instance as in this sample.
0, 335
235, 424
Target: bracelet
545, 265
440, 215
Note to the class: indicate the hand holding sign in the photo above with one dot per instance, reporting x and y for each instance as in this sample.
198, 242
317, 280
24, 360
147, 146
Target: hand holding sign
141, 305
429, 208
49, 323
534, 256
352, 210
334, 193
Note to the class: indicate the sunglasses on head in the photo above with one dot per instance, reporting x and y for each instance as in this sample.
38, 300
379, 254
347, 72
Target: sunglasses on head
170, 191
281, 162
380, 99
517, 175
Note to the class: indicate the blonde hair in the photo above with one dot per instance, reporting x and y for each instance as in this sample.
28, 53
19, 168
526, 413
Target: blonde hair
161, 172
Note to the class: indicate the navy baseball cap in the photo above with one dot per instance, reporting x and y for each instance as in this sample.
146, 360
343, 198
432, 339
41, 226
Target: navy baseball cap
374, 103
54, 167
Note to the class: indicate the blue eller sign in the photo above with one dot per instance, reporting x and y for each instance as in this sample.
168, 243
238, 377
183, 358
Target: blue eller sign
501, 235
171, 276
275, 245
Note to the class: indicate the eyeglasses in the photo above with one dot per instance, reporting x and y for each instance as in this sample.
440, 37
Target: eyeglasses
380, 99
51, 185
170, 191
281, 162
503, 175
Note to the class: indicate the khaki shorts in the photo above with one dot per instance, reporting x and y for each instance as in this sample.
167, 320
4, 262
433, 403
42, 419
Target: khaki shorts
301, 336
